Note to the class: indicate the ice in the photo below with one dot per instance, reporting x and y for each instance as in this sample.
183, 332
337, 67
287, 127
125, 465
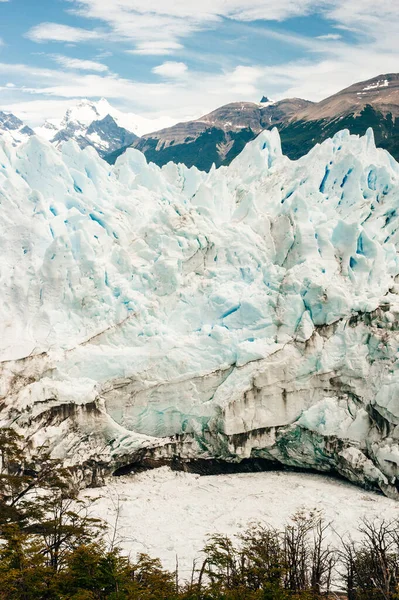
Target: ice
331, 417
169, 514
250, 311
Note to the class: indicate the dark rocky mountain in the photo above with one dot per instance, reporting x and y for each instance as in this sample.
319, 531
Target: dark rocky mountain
217, 137
372, 103
221, 135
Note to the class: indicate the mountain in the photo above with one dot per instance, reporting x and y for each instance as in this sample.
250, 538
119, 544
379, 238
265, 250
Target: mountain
249, 314
215, 138
95, 124
372, 103
49, 129
104, 135
14, 127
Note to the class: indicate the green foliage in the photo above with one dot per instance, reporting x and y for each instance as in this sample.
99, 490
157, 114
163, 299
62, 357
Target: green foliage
50, 550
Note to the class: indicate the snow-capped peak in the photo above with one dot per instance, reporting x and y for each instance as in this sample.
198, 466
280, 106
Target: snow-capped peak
86, 111
14, 127
266, 101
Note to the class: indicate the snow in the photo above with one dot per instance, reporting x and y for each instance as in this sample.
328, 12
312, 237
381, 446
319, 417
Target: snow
86, 111
266, 104
78, 119
167, 514
13, 128
379, 84
251, 310
49, 129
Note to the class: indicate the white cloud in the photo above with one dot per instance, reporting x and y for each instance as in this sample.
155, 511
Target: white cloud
55, 32
35, 112
76, 64
330, 36
326, 63
243, 81
156, 48
157, 26
171, 69
206, 10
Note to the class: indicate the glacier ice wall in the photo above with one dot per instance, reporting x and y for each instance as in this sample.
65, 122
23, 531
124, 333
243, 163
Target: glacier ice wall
174, 314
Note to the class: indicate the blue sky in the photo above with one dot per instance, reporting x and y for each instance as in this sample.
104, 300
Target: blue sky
182, 58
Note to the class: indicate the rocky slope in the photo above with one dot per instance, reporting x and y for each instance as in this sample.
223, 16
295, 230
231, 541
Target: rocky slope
215, 138
372, 103
382, 92
219, 137
169, 315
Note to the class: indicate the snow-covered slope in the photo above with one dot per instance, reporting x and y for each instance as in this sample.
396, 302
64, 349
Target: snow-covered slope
198, 506
15, 128
100, 125
49, 129
87, 111
168, 314
94, 124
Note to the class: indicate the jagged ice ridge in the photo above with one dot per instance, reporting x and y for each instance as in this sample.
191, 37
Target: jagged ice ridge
162, 313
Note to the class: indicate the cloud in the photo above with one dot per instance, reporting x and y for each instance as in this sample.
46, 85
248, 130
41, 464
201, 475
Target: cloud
243, 81
35, 112
76, 64
171, 69
206, 10
158, 26
367, 45
330, 36
156, 48
55, 32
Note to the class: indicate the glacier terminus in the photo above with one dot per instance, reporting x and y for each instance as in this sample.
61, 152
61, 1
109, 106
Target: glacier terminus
152, 315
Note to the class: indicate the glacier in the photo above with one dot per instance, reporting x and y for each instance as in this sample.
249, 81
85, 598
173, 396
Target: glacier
166, 315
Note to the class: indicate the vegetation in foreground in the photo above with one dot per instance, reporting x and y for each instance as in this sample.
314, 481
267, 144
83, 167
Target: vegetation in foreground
51, 549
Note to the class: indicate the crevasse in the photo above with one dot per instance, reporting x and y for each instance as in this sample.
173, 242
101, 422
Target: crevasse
169, 313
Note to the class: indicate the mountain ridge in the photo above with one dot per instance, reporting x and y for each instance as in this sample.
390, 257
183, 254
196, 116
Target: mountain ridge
217, 137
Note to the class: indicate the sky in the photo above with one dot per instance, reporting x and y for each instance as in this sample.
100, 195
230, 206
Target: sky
184, 58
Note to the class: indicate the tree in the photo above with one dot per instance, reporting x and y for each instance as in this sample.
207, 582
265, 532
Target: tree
264, 557
20, 479
371, 567
24, 573
37, 498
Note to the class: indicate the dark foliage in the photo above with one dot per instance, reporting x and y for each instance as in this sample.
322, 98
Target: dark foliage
50, 549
